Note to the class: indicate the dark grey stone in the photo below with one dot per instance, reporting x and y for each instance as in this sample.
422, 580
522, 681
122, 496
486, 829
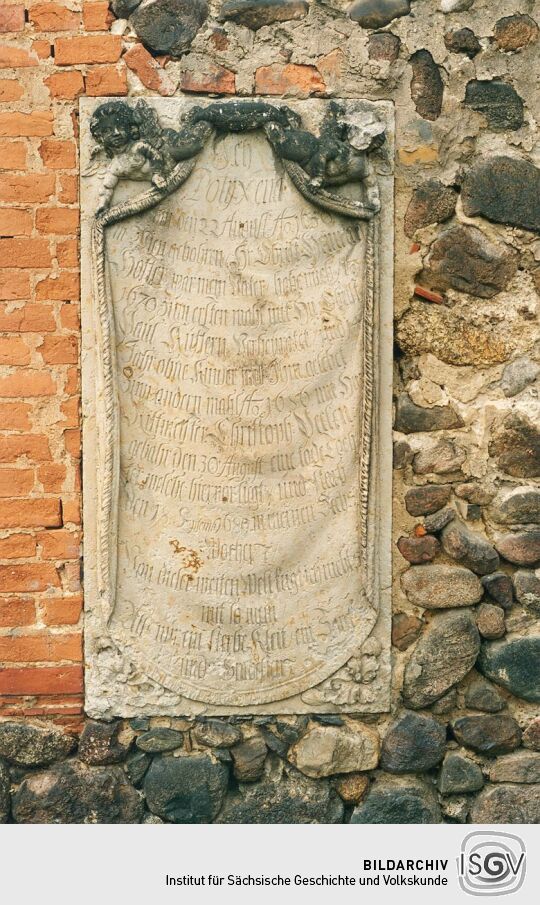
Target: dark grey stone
159, 740
291, 798
527, 585
248, 759
505, 190
498, 102
520, 766
463, 258
413, 743
515, 445
481, 695
518, 374
378, 13
384, 46
5, 797
72, 792
515, 665
439, 520
441, 586
442, 657
418, 550
169, 26
431, 202
99, 744
256, 13
216, 734
522, 549
122, 9
507, 804
459, 774
531, 736
137, 764
186, 789
500, 588
488, 734
446, 704
520, 507
411, 418
469, 549
462, 40
427, 86
410, 801
31, 746
427, 499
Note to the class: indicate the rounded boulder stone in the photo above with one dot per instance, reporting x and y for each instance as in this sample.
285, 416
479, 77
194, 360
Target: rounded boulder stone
441, 587
459, 774
378, 13
490, 621
482, 695
507, 804
431, 202
505, 190
168, 26
427, 499
157, 741
522, 549
411, 418
520, 507
413, 744
442, 657
398, 801
515, 446
498, 102
514, 664
462, 40
100, 744
512, 33
289, 798
255, 14
500, 588
417, 550
463, 258
520, 766
72, 792
488, 734
30, 746
328, 750
531, 735
248, 759
427, 86
469, 548
216, 734
186, 789
527, 585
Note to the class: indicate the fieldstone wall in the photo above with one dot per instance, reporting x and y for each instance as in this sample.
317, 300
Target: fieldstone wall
462, 743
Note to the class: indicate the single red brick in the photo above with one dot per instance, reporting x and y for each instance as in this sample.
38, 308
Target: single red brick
10, 90
27, 188
28, 318
213, 79
71, 511
41, 680
42, 48
59, 350
57, 220
27, 383
12, 154
53, 17
97, 16
70, 317
12, 57
14, 351
289, 79
25, 253
87, 49
33, 513
38, 122
65, 85
14, 416
17, 546
26, 577
148, 70
33, 447
429, 295
107, 81
67, 253
17, 611
58, 154
16, 482
14, 285
52, 477
15, 221
72, 442
11, 17
68, 190
64, 287
61, 544
62, 611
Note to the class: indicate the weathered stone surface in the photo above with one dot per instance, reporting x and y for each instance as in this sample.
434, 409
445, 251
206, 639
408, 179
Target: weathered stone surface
255, 14
475, 493
515, 445
378, 13
248, 759
498, 102
159, 740
411, 418
31, 746
442, 657
523, 549
505, 190
445, 457
507, 804
427, 86
281, 734
527, 585
427, 499
431, 202
500, 588
439, 520
413, 744
463, 258
493, 734
216, 734
515, 665
383, 46
521, 766
402, 454
446, 704
136, 766
99, 744
462, 40
441, 587
455, 6
398, 801
490, 621
325, 751
186, 789
72, 792
481, 695
5, 797
418, 550
169, 26
512, 33
352, 788
521, 506
531, 735
123, 8
405, 630
459, 774
518, 374
468, 548
292, 798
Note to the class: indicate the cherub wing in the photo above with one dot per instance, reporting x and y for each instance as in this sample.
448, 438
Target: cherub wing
149, 125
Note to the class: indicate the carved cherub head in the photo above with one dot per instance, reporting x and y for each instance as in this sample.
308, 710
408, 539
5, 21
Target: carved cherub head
114, 126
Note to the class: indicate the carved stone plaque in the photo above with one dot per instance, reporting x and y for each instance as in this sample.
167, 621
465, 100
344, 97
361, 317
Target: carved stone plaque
237, 370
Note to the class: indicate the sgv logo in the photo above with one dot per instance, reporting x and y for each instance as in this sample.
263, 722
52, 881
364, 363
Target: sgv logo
491, 864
